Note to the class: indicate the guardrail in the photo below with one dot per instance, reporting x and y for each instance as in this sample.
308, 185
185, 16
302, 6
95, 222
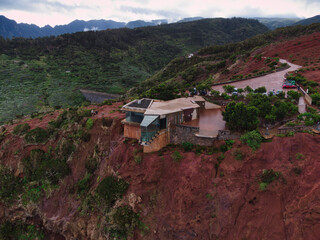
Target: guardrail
306, 95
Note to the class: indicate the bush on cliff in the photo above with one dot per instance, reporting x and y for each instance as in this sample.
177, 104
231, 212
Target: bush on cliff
240, 117
111, 189
253, 139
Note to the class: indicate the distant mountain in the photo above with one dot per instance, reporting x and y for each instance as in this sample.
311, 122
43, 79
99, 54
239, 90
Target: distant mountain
307, 21
10, 28
273, 23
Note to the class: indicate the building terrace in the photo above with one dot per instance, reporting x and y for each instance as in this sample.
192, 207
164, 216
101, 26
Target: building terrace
149, 119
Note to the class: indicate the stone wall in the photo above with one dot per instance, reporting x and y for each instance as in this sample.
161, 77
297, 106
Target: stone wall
287, 129
161, 140
227, 135
181, 133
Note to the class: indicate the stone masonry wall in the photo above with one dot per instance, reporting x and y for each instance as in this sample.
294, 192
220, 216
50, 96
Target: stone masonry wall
180, 133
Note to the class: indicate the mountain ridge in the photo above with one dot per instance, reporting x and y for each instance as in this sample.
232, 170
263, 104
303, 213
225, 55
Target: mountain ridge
10, 28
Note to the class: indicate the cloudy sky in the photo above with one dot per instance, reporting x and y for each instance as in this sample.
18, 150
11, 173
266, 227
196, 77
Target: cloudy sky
56, 12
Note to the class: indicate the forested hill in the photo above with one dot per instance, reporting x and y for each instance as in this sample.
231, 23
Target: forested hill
36, 73
315, 19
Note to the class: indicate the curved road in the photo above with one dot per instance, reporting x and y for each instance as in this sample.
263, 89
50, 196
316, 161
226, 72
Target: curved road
272, 81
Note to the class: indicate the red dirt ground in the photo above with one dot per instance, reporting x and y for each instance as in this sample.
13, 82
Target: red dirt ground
186, 201
303, 51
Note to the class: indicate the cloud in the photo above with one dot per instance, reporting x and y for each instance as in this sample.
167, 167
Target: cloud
37, 5
148, 12
91, 29
55, 12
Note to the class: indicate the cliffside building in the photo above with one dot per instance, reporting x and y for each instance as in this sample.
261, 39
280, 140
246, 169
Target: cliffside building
149, 120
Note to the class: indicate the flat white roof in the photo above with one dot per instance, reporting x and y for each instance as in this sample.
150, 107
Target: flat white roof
172, 106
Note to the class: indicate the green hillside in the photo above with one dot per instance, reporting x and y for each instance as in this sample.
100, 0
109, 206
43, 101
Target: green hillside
42, 72
307, 21
183, 73
273, 23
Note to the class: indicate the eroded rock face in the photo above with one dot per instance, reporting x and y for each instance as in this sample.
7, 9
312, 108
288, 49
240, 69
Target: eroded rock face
195, 198
186, 201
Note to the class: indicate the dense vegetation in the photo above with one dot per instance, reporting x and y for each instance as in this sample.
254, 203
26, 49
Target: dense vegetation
273, 23
37, 73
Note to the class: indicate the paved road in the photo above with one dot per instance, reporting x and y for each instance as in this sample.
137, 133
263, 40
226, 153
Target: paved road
272, 81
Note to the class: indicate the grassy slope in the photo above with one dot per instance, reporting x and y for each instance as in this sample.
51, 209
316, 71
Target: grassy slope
48, 71
183, 73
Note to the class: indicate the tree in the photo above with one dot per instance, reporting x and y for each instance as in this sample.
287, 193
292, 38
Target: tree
241, 117
228, 88
294, 95
315, 99
260, 90
248, 89
253, 139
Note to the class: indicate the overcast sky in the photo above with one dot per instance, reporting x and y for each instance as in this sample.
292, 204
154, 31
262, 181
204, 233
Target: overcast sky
57, 12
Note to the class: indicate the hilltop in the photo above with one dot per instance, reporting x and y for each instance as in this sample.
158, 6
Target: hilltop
47, 72
70, 174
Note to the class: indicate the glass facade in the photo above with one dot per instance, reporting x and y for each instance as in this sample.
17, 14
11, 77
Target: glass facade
147, 133
134, 117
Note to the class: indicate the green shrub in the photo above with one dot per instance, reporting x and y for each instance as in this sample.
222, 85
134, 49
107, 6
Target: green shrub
21, 129
253, 139
187, 146
176, 156
2, 137
37, 135
89, 123
91, 165
124, 221
228, 88
220, 157
294, 95
299, 156
40, 167
10, 185
224, 148
267, 177
84, 135
107, 122
263, 186
297, 170
260, 90
83, 185
241, 117
20, 231
215, 93
64, 148
225, 96
138, 159
238, 154
111, 189
32, 193
315, 98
